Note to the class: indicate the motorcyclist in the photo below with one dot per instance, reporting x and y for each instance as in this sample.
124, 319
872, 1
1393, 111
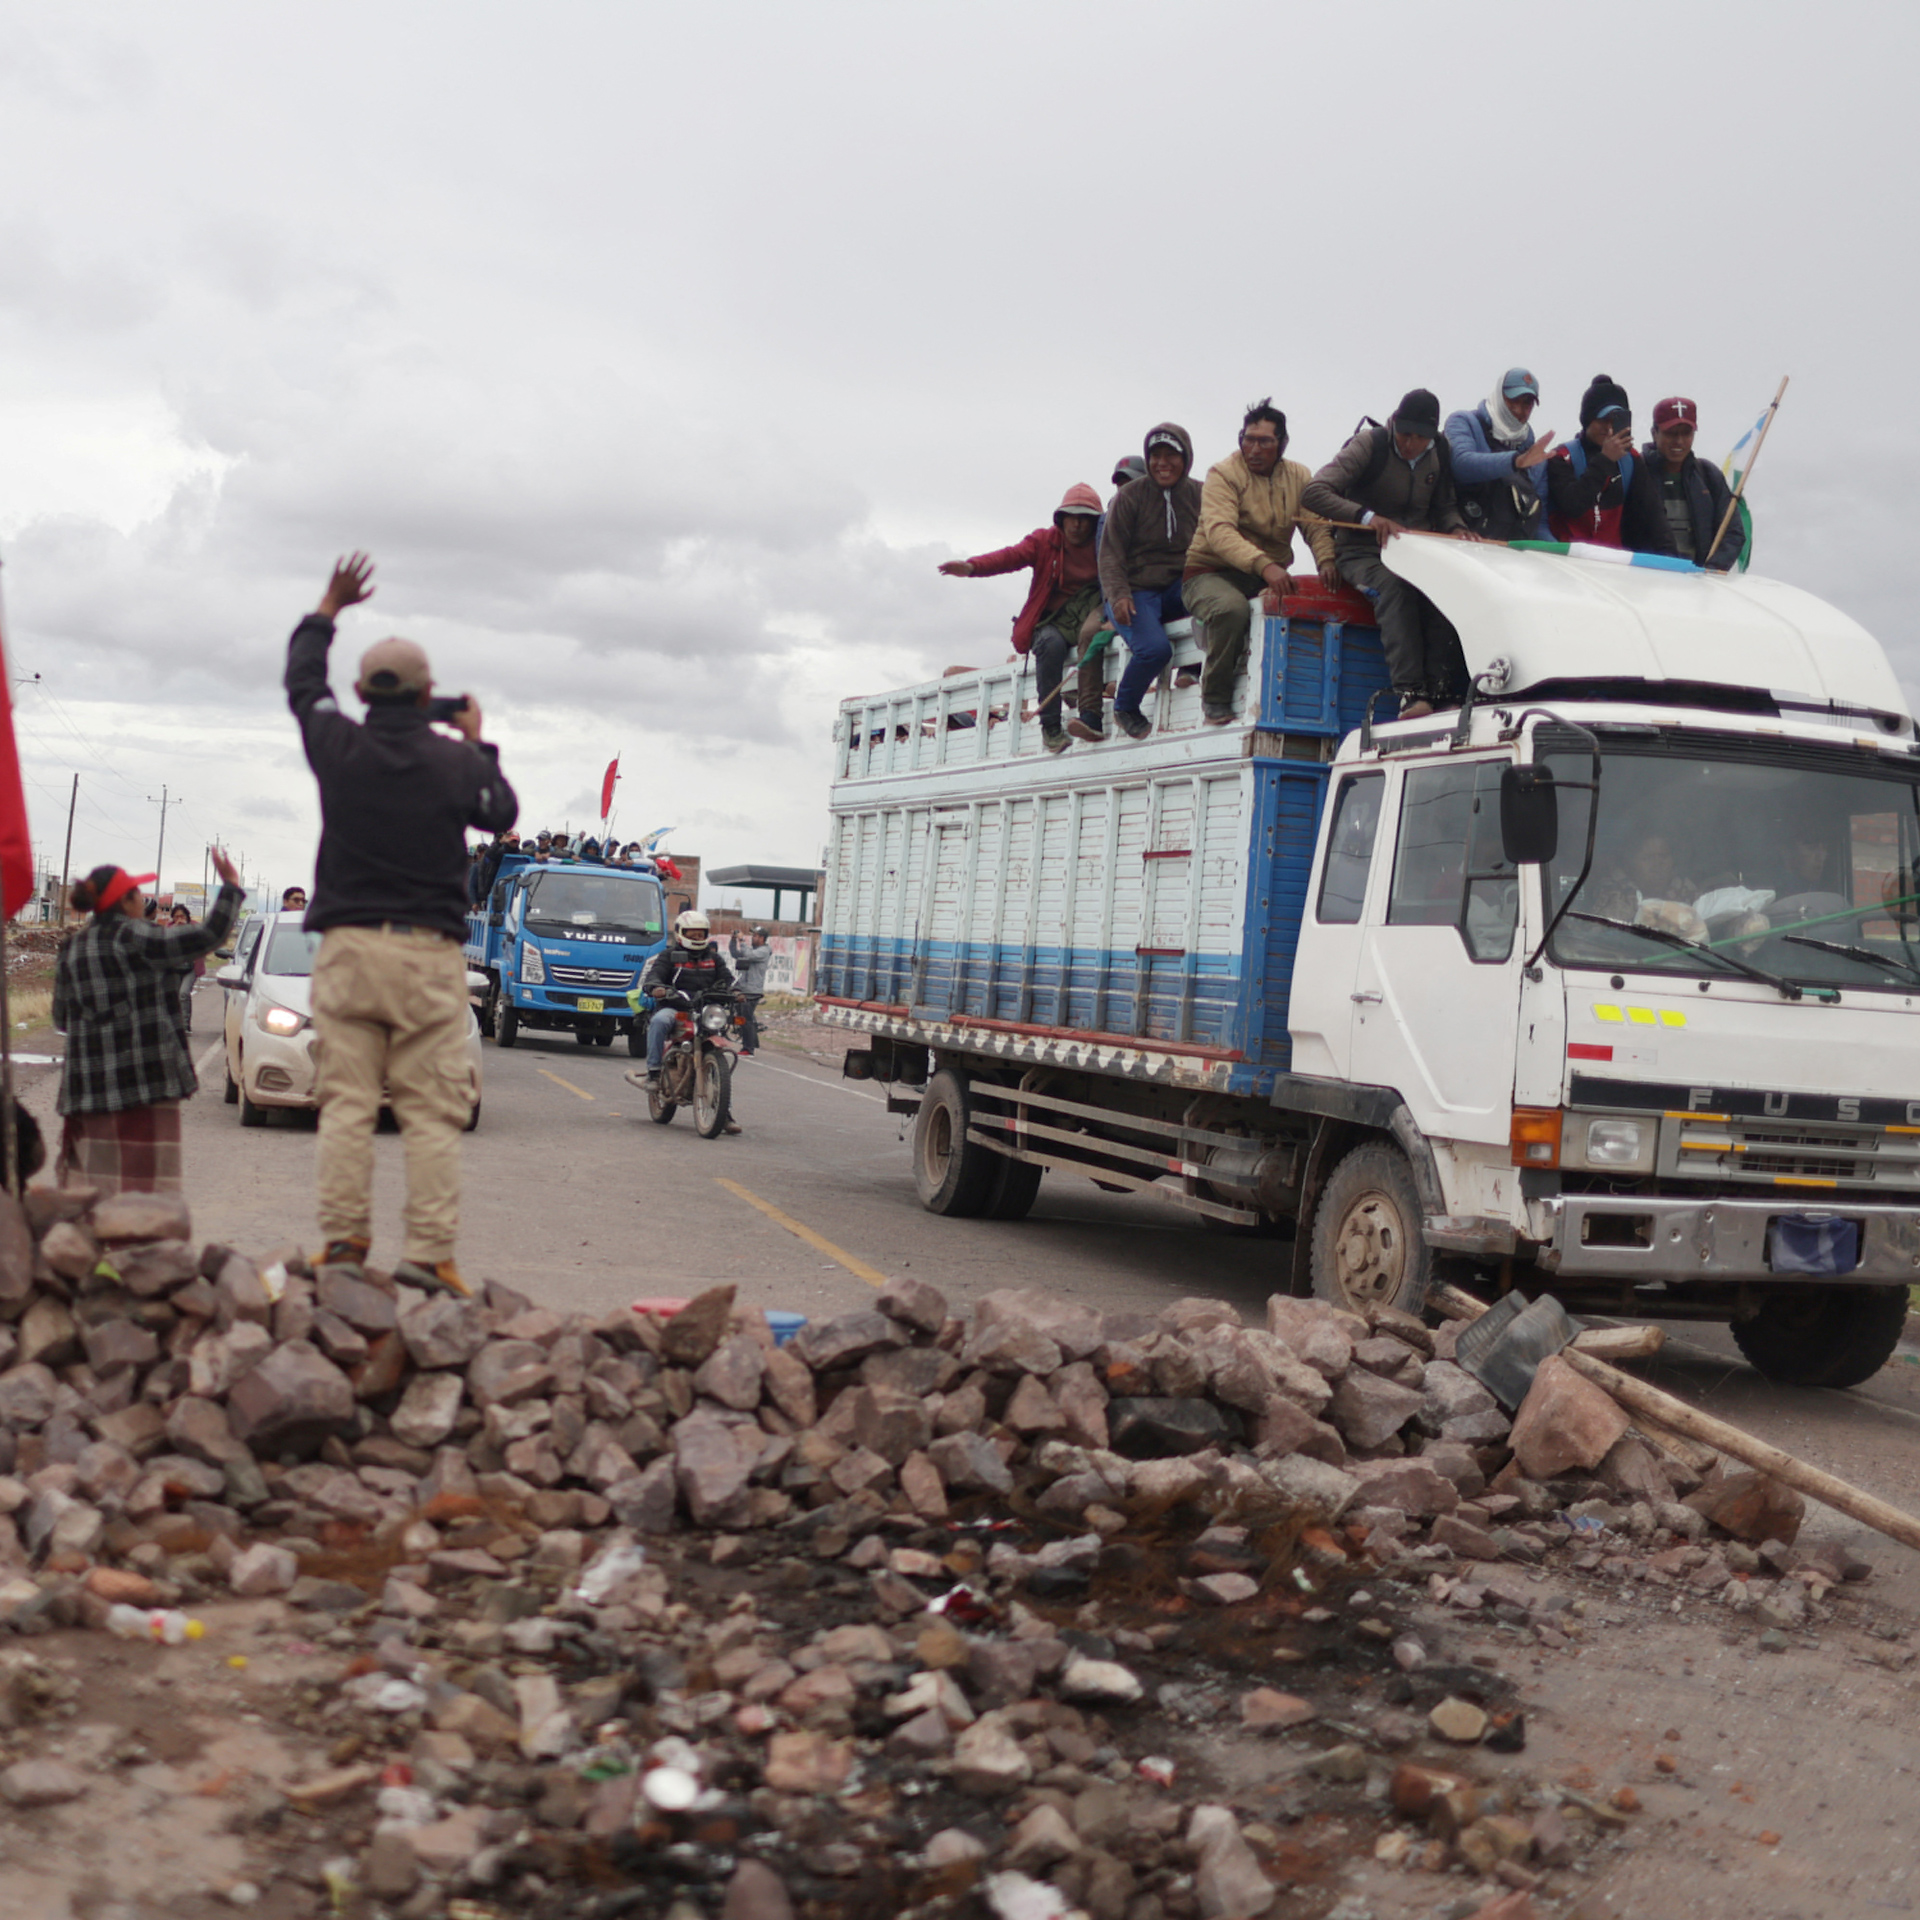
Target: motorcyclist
679, 974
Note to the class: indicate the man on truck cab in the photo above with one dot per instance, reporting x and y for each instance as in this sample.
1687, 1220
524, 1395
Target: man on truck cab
1597, 491
1693, 493
691, 965
1065, 589
1498, 463
1249, 513
1143, 552
1386, 481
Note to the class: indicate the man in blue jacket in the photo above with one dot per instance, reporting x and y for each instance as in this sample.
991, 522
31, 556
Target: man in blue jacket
1693, 492
1499, 474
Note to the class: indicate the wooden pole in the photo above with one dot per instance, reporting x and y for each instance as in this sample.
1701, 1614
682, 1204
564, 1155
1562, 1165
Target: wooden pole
1733, 505
66, 859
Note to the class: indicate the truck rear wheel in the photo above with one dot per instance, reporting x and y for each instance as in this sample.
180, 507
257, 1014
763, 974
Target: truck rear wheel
1824, 1336
951, 1174
1016, 1186
1368, 1249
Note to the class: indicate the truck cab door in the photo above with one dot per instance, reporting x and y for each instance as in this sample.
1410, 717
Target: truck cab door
1320, 1009
1436, 990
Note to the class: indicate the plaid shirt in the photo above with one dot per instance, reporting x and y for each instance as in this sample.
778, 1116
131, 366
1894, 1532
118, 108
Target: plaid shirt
116, 996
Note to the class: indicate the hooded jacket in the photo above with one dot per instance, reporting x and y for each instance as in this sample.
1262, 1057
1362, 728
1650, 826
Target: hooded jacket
1150, 528
1707, 498
1417, 493
1058, 569
1247, 521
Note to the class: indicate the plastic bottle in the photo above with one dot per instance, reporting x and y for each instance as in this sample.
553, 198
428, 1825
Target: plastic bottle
166, 1626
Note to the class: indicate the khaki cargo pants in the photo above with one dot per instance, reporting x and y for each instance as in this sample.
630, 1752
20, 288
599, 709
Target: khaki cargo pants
390, 1024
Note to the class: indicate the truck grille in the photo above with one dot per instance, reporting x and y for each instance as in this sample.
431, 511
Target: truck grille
1796, 1153
615, 979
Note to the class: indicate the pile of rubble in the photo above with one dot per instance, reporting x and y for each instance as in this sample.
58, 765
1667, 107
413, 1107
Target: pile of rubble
900, 1616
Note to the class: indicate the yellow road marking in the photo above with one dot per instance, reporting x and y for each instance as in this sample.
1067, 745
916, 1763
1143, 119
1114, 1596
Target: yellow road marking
858, 1268
568, 1084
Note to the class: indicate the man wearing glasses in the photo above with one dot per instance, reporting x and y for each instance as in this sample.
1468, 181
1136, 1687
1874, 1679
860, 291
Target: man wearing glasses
1249, 512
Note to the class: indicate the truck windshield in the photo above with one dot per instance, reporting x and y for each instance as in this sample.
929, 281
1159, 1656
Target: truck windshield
1802, 862
626, 903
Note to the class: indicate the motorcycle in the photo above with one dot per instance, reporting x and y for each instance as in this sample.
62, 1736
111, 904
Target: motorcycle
697, 1068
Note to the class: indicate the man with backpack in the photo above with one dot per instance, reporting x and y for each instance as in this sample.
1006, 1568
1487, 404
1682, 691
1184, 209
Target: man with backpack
1498, 463
1386, 481
1597, 490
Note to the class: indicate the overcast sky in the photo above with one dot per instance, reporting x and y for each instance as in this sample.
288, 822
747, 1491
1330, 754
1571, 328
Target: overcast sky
659, 354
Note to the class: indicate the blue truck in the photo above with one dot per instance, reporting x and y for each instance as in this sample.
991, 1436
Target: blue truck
562, 943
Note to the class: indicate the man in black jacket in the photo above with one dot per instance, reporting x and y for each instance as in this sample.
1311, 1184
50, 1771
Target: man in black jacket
680, 972
1597, 491
389, 988
1693, 492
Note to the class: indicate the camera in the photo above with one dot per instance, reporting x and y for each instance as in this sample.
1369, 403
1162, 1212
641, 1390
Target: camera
448, 707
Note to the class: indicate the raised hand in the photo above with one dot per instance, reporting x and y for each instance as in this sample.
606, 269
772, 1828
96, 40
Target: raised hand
350, 583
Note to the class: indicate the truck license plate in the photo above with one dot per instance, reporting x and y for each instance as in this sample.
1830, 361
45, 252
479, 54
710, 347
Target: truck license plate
593, 1006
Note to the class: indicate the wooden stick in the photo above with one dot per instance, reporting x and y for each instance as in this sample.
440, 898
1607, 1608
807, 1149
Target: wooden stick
1621, 1343
1689, 1453
1637, 1397
1733, 505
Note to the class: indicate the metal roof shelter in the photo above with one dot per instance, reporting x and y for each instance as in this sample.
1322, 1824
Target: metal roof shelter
804, 881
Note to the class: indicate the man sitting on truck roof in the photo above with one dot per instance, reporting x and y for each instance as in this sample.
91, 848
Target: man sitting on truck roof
1065, 589
1596, 490
1693, 492
1249, 513
1143, 552
1498, 465
1386, 481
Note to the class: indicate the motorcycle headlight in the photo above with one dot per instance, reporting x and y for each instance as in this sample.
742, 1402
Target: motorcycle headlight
533, 969
282, 1020
713, 1019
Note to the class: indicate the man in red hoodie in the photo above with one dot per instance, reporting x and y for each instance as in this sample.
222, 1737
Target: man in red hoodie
1066, 588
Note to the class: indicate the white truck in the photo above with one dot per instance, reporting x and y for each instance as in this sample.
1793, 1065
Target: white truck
1605, 984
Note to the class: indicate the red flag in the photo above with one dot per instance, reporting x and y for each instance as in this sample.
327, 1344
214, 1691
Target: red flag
606, 786
16, 843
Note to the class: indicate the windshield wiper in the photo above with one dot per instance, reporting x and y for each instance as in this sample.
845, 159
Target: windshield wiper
1682, 944
1863, 954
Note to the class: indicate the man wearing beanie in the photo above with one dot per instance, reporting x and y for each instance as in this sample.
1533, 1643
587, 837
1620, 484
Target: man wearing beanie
1694, 494
1597, 491
1387, 481
390, 1013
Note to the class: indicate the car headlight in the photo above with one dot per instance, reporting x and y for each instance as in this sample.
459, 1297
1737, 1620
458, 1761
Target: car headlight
533, 969
282, 1020
1615, 1143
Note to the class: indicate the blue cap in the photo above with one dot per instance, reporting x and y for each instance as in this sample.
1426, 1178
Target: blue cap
1517, 381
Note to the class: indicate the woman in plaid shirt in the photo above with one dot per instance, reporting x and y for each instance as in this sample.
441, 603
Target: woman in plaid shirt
116, 996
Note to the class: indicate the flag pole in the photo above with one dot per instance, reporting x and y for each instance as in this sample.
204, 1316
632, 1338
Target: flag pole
9, 1146
1733, 505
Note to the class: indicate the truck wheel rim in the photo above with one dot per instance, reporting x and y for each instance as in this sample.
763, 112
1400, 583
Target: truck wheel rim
1370, 1250
939, 1144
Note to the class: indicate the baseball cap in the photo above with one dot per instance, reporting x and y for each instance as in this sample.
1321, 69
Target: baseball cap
1155, 440
117, 889
393, 666
1517, 384
1675, 412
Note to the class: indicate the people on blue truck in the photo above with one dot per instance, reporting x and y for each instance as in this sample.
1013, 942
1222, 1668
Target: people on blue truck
1249, 512
1386, 481
1065, 589
1143, 552
1694, 493
1499, 463
1598, 491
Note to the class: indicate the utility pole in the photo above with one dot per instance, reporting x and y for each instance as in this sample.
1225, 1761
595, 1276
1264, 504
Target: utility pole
66, 859
159, 883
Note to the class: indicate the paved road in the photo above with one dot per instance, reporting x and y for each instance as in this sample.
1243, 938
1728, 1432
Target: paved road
574, 1196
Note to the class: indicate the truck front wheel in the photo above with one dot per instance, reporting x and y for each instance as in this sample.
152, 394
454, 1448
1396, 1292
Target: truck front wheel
951, 1174
1824, 1336
506, 1024
1368, 1249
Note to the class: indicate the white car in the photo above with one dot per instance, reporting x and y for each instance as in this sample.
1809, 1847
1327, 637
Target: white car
269, 1023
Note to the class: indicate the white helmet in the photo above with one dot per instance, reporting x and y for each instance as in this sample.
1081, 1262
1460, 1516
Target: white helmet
691, 930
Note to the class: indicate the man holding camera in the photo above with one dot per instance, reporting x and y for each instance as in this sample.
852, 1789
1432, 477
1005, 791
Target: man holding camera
390, 902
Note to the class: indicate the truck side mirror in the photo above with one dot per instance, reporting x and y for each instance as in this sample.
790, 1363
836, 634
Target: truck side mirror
1529, 815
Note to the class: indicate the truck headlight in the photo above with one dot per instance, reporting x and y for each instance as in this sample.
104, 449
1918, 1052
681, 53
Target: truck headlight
282, 1020
533, 969
1615, 1143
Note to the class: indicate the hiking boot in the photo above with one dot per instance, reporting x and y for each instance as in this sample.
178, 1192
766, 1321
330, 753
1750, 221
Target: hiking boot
349, 1253
1415, 705
732, 1126
1187, 677
442, 1277
1134, 725
1216, 714
1054, 739
1087, 729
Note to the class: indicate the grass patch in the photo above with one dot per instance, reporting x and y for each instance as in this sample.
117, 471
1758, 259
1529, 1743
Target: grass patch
30, 1006
786, 1003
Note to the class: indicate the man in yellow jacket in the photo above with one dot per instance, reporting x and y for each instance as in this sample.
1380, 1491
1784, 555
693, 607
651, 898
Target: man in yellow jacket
1249, 511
